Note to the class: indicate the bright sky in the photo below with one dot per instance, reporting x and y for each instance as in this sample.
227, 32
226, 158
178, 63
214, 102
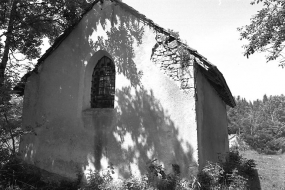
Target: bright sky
210, 26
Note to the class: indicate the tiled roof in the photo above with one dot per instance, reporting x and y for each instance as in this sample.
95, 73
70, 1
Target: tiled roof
210, 71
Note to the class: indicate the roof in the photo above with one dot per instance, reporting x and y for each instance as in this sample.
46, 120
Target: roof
217, 81
210, 71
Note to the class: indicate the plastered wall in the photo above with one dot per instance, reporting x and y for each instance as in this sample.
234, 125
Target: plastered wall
212, 122
153, 118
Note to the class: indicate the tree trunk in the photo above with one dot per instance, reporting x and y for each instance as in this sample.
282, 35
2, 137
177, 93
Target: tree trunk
9, 36
9, 128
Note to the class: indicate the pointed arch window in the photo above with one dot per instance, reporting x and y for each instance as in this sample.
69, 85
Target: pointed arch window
103, 84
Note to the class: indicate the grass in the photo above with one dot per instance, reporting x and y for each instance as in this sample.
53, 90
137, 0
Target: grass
270, 169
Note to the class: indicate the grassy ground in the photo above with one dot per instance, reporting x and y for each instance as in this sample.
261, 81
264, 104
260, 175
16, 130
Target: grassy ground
270, 169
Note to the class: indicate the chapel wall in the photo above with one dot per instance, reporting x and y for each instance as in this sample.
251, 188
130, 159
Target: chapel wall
153, 116
212, 122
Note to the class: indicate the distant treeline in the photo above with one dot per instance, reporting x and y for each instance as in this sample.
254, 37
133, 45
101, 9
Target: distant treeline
260, 123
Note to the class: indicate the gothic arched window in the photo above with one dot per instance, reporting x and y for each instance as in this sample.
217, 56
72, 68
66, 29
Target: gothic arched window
103, 84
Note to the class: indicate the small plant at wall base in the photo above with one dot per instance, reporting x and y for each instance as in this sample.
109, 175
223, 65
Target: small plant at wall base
158, 178
155, 179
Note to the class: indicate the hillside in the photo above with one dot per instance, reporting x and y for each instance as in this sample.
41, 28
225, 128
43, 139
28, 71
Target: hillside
261, 124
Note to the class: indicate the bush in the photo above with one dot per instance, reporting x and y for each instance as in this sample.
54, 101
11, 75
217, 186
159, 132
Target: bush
135, 183
232, 173
97, 181
155, 179
263, 143
211, 176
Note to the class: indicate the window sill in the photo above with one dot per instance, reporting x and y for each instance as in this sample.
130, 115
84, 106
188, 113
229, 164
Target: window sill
92, 111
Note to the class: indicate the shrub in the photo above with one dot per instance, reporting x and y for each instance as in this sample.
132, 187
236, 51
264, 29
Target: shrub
210, 177
135, 183
97, 181
232, 173
238, 182
159, 179
265, 143
155, 179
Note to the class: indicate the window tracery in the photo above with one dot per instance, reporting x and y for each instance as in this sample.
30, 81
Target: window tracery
103, 84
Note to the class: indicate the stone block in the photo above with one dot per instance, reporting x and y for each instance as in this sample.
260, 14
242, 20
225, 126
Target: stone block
154, 57
160, 37
156, 53
167, 62
184, 85
173, 44
190, 83
169, 72
160, 48
166, 58
169, 53
174, 66
192, 57
175, 77
159, 57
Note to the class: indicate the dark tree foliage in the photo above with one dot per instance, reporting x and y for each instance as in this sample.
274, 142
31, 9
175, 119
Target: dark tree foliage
266, 32
24, 23
260, 123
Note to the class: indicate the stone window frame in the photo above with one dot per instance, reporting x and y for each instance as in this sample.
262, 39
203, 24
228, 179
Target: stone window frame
86, 80
103, 84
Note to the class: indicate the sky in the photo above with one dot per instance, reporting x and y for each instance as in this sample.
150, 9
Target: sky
210, 27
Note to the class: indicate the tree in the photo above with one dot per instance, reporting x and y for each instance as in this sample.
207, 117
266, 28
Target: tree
10, 130
261, 123
266, 32
24, 23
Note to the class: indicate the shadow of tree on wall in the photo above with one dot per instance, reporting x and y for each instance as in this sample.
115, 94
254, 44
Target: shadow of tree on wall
138, 131
123, 31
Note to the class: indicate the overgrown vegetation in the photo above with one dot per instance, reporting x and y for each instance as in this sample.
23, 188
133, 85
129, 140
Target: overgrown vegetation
261, 124
232, 173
